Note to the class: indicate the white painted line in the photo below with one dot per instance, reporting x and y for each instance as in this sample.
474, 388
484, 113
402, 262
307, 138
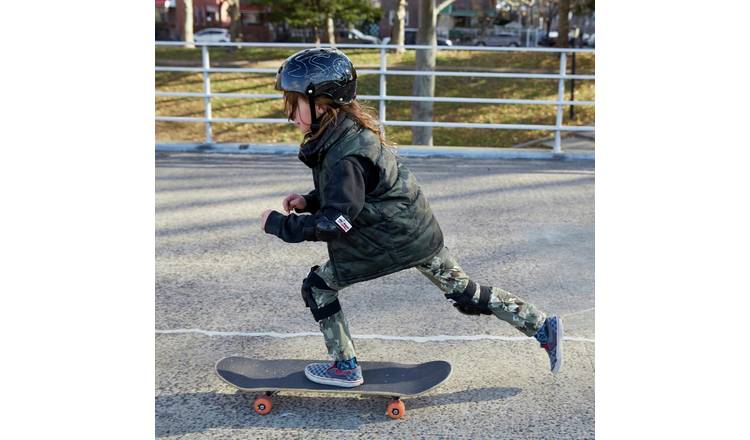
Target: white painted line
578, 312
438, 338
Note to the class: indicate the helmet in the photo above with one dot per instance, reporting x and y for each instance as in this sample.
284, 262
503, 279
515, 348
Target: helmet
319, 72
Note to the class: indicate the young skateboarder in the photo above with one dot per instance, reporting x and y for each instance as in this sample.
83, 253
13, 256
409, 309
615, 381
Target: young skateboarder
372, 214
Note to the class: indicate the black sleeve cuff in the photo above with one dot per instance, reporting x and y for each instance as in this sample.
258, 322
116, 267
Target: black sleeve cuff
273, 223
291, 228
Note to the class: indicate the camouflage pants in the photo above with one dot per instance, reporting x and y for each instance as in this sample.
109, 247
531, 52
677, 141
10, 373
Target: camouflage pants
444, 271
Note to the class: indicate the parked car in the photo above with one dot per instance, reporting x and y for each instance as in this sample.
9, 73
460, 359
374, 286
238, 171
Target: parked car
504, 39
551, 39
355, 36
212, 35
410, 37
590, 41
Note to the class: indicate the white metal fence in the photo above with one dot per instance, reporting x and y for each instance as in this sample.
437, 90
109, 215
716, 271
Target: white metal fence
383, 97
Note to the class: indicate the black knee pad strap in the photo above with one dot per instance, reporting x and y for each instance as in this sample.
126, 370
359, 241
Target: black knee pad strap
484, 296
319, 313
463, 300
327, 310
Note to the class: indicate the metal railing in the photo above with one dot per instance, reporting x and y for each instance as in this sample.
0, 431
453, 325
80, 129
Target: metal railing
383, 97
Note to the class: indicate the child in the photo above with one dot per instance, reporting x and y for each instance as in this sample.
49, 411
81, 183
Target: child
373, 216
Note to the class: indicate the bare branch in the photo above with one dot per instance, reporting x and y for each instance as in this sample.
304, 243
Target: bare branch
443, 5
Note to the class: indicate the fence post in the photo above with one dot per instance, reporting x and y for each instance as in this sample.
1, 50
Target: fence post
571, 109
207, 92
383, 67
560, 97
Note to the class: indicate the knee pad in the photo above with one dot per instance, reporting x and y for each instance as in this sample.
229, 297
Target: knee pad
463, 303
319, 313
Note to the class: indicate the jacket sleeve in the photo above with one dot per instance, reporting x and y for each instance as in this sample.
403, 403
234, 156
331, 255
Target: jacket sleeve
312, 202
344, 200
291, 228
345, 191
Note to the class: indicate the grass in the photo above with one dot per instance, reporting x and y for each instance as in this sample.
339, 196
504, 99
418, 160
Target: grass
369, 85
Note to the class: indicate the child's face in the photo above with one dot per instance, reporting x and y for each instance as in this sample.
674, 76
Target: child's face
302, 118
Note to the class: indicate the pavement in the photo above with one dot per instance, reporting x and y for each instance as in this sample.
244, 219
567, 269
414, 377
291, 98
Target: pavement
223, 287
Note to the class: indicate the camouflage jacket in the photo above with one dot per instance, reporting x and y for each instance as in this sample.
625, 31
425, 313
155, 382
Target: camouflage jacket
395, 229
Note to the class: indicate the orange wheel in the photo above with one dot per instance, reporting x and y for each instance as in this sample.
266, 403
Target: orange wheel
262, 405
395, 409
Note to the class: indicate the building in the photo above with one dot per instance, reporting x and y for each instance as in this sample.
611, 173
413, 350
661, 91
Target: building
166, 20
211, 13
458, 21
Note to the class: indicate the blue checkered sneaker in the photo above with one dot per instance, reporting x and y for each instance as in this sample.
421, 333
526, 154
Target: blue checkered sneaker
328, 374
550, 337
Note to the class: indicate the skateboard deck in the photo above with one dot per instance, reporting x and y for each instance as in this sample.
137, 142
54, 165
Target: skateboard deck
384, 379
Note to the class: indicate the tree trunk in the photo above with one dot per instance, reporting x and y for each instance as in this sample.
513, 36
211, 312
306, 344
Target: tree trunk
424, 85
235, 20
331, 31
397, 33
187, 26
316, 35
562, 24
548, 18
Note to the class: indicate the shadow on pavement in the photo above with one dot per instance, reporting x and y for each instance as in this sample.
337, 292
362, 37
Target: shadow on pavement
179, 414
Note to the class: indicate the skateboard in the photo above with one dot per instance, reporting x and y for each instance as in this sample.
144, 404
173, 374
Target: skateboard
383, 379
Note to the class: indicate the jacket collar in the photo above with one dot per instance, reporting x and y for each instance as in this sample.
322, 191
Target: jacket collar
311, 152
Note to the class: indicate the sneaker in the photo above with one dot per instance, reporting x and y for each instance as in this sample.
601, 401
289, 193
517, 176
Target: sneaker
550, 337
331, 374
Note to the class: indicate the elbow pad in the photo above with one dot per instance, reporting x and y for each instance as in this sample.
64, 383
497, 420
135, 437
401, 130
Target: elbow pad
326, 230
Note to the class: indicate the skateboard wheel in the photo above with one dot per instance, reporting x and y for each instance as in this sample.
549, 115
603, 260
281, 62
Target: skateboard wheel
395, 409
262, 405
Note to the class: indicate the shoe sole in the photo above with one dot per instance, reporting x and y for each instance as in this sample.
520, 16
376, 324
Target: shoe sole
559, 353
334, 382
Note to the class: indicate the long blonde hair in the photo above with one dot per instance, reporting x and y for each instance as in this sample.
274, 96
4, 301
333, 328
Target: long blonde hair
361, 114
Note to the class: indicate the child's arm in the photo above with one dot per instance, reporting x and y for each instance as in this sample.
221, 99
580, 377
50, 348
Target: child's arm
312, 200
345, 197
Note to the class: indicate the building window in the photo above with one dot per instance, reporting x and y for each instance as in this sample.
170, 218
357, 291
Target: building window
212, 14
392, 18
462, 21
250, 18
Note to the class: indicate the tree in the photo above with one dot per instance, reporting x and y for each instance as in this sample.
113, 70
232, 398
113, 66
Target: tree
480, 7
235, 20
424, 85
581, 7
549, 9
187, 26
320, 14
562, 24
397, 32
331, 30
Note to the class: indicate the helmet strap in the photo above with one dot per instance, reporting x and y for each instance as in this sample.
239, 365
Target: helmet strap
314, 124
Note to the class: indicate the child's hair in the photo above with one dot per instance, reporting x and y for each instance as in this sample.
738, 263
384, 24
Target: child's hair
363, 115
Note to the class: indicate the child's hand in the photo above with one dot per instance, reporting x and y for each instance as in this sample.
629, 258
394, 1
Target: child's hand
264, 218
293, 201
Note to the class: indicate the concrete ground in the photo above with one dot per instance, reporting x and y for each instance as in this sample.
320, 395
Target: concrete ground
223, 287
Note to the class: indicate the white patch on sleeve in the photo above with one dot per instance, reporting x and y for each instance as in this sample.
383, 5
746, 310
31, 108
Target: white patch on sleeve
343, 224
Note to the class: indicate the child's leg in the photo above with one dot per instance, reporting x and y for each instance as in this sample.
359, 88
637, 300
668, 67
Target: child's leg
444, 271
322, 288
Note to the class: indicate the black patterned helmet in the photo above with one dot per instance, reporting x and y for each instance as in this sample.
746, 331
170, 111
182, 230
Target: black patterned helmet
319, 72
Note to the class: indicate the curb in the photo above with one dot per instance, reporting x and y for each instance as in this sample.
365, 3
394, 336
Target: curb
404, 151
